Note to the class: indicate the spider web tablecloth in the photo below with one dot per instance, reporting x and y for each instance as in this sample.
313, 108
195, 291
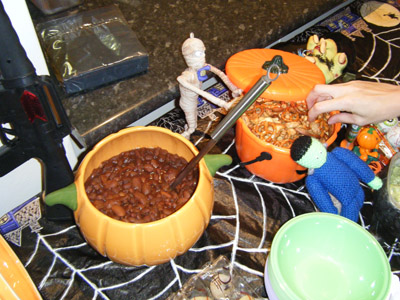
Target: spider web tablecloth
247, 213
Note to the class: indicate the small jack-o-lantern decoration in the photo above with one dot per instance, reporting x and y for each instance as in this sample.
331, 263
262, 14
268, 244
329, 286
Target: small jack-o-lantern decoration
368, 141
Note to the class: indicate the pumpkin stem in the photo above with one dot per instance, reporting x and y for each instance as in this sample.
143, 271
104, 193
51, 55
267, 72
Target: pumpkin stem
278, 63
216, 161
66, 196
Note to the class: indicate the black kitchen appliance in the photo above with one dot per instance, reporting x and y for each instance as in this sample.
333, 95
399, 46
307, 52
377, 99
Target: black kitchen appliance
33, 122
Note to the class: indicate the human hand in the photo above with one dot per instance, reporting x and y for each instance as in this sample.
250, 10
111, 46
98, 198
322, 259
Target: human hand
359, 102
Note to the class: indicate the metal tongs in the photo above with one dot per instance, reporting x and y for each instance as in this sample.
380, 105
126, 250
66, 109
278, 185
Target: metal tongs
276, 67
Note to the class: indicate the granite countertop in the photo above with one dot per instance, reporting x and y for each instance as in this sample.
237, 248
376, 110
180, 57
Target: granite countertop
225, 27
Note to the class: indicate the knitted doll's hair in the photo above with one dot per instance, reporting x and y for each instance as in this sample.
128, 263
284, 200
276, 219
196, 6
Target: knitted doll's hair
300, 147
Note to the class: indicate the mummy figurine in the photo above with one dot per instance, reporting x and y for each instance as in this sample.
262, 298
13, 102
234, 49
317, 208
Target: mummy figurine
193, 51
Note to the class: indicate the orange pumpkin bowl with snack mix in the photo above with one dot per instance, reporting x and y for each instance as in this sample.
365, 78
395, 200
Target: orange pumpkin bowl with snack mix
287, 92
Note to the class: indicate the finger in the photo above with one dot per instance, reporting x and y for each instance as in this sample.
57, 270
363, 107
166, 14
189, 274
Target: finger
333, 90
335, 104
347, 118
343, 117
320, 92
321, 107
312, 99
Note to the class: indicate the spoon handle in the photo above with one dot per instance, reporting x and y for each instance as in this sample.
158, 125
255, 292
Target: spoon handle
227, 122
230, 119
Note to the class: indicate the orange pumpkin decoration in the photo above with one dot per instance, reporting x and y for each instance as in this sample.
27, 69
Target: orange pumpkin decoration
368, 141
244, 69
149, 243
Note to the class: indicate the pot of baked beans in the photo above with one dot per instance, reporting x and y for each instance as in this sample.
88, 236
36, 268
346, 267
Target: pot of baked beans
266, 131
123, 203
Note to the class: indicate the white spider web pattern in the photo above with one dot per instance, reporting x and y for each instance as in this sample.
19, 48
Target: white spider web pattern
392, 52
60, 255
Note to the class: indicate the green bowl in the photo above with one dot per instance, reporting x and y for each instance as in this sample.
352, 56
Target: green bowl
318, 256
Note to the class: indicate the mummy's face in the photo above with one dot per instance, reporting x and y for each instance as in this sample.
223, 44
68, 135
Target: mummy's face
194, 53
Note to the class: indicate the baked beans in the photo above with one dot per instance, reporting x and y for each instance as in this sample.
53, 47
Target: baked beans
134, 186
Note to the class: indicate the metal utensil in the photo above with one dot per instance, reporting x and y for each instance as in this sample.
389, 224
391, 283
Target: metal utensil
276, 67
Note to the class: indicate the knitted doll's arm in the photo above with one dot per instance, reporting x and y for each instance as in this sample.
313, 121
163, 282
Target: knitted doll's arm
320, 195
376, 183
359, 167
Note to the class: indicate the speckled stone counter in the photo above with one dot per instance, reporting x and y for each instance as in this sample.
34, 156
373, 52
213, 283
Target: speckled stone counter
225, 26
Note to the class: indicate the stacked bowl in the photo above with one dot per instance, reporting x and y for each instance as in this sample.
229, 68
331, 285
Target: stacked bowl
321, 256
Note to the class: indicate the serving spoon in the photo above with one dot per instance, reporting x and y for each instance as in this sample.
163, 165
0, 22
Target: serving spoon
276, 67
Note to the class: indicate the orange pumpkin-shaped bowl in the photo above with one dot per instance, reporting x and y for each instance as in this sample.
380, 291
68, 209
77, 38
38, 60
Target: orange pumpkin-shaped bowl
15, 282
244, 69
146, 243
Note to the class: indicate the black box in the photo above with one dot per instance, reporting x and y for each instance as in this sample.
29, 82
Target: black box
92, 48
